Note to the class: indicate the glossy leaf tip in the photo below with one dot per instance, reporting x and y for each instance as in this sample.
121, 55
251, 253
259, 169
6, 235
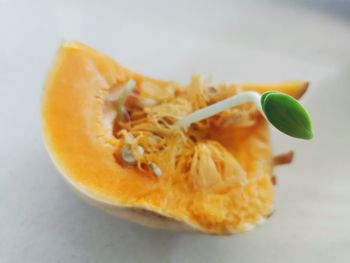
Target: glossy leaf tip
287, 115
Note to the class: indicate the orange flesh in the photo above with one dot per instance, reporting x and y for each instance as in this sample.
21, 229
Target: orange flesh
84, 150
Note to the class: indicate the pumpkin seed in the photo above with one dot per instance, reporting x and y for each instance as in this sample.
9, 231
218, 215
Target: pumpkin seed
156, 170
127, 155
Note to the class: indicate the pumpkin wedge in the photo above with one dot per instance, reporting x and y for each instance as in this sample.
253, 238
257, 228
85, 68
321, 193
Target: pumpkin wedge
130, 160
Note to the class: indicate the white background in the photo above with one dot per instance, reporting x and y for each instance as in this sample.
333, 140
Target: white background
42, 221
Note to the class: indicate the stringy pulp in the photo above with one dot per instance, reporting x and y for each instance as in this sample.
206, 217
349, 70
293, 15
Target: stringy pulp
148, 130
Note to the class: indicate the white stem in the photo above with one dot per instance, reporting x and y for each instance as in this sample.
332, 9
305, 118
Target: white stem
249, 96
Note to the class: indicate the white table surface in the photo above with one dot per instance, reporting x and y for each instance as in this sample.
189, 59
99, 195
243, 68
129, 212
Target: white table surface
42, 221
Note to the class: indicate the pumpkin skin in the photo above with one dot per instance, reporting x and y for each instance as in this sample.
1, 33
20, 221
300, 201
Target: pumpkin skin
82, 148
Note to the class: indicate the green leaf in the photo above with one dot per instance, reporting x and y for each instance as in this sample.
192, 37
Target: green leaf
287, 114
263, 97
